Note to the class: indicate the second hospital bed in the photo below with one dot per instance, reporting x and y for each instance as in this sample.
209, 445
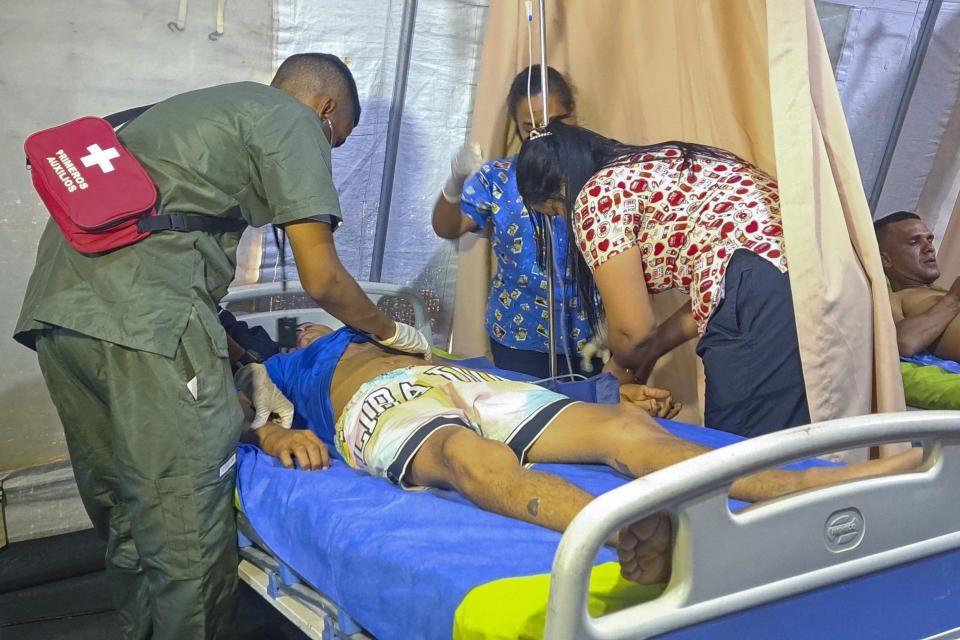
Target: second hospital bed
348, 555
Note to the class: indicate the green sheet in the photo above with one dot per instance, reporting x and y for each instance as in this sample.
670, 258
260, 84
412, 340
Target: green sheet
930, 387
515, 608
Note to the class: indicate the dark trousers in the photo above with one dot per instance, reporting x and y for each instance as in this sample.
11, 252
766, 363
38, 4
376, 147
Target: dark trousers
537, 363
754, 381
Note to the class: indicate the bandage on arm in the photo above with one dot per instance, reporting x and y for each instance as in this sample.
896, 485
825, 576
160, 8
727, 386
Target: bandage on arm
408, 339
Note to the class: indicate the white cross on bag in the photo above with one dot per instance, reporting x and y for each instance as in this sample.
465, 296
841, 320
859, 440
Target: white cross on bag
100, 157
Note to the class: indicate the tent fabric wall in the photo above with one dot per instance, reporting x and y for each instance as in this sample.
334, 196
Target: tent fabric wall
919, 178
62, 62
872, 70
924, 173
931, 142
113, 55
716, 73
445, 50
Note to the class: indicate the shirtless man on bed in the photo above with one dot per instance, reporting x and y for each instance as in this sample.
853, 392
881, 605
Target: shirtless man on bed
925, 316
422, 424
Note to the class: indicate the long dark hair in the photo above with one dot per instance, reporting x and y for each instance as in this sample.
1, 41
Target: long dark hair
556, 166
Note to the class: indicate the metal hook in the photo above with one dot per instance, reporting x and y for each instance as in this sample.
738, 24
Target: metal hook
181, 22
215, 35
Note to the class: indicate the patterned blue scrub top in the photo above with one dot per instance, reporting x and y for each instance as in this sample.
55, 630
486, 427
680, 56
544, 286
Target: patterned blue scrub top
517, 309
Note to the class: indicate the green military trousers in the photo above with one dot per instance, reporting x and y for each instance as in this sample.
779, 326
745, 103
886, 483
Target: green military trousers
153, 445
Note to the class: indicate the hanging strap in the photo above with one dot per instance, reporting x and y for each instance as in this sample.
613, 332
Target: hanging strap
117, 119
280, 237
178, 221
125, 116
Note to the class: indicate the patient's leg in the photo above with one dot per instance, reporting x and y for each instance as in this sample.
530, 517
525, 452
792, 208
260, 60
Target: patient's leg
628, 440
489, 474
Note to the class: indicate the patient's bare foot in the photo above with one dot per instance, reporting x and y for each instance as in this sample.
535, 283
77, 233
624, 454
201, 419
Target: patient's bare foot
645, 549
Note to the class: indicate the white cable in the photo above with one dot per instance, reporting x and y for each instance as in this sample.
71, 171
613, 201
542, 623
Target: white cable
533, 119
565, 336
572, 377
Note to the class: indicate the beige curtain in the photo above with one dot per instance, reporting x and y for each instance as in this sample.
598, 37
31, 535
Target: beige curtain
847, 340
740, 77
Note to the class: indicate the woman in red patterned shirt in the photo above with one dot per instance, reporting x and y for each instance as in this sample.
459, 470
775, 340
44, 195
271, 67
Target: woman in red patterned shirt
677, 215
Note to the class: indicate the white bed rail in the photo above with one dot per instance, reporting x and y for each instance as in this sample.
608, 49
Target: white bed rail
267, 318
725, 562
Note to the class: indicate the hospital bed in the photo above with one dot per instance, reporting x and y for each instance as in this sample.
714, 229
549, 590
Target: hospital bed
263, 304
345, 555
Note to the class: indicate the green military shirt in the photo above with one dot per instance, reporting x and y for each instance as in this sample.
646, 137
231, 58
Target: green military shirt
208, 151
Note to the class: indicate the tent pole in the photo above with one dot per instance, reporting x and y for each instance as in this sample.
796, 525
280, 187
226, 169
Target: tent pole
393, 138
916, 61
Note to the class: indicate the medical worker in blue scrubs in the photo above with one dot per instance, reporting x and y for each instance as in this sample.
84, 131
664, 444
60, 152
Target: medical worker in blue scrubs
483, 198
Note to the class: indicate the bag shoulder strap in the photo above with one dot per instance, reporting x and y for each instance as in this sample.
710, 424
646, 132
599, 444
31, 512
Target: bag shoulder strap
125, 116
180, 221
177, 220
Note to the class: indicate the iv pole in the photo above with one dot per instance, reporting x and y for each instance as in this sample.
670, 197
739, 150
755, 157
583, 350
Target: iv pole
548, 239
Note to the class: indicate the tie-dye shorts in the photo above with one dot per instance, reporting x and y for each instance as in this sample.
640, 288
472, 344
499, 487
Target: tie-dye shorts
388, 419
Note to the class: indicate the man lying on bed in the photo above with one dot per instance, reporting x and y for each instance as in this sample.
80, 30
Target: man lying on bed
926, 316
419, 424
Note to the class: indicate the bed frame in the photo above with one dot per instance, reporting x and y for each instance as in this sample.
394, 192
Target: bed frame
836, 534
263, 304
840, 552
316, 615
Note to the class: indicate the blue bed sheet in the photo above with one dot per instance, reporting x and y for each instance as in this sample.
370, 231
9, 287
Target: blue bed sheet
401, 562
925, 358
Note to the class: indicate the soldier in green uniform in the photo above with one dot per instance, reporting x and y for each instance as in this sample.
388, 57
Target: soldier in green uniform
135, 359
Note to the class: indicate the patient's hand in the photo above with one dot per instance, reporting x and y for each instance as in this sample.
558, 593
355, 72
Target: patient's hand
288, 444
657, 402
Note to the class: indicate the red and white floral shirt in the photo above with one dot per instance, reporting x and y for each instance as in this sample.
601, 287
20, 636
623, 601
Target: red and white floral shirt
686, 223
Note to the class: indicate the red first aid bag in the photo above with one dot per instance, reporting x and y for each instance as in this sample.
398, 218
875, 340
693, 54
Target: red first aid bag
93, 187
